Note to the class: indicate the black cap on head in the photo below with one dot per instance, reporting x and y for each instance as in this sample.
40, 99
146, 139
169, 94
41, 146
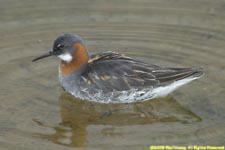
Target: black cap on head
63, 43
67, 39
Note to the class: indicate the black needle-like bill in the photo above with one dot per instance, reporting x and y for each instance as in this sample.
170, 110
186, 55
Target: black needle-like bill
50, 53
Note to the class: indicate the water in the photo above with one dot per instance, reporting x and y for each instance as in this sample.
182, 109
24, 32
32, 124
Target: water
37, 114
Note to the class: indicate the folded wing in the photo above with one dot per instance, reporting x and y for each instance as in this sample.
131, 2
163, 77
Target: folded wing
111, 71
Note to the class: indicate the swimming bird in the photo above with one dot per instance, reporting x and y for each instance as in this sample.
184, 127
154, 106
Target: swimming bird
110, 77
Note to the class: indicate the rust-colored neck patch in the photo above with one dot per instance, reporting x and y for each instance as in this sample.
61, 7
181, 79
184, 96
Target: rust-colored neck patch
80, 58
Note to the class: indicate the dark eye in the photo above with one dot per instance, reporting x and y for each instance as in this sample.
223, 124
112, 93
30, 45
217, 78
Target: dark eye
60, 46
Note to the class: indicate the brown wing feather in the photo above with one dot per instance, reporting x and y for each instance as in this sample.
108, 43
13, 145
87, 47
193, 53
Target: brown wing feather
112, 71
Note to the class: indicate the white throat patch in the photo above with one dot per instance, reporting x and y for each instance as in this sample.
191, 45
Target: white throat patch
65, 57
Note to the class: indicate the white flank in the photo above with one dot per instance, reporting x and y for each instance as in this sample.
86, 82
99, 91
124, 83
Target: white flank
66, 57
165, 90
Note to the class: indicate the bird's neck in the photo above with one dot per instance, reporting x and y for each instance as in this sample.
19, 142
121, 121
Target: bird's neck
79, 60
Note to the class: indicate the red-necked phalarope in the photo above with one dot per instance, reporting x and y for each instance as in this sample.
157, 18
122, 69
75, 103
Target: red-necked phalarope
110, 77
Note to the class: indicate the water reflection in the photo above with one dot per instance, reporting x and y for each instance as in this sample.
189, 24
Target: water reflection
78, 115
168, 33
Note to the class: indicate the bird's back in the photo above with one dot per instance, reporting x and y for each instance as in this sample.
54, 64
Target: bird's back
117, 76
